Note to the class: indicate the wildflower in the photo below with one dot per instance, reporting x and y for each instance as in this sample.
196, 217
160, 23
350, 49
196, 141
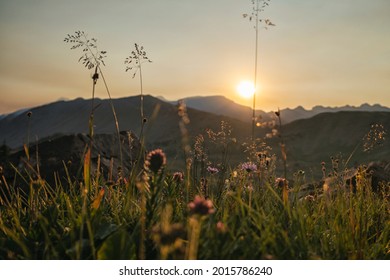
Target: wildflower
155, 161
249, 167
178, 177
310, 198
261, 155
281, 182
221, 227
249, 188
212, 170
201, 206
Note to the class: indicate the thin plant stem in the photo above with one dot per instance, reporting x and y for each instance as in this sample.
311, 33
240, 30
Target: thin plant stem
255, 77
115, 117
110, 100
142, 102
94, 81
135, 60
193, 242
142, 93
141, 253
282, 145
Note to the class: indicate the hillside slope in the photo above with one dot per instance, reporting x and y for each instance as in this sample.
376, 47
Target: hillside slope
326, 135
308, 141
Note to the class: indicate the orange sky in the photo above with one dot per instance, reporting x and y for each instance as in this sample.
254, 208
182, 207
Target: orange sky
329, 53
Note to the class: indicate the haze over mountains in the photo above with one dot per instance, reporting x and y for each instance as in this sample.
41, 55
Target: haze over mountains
220, 105
311, 136
223, 106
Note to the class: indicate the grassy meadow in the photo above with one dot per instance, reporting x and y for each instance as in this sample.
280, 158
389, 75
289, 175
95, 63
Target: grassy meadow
211, 208
208, 210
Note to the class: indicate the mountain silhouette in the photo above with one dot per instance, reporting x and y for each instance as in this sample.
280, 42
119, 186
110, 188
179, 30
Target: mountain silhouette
221, 105
309, 140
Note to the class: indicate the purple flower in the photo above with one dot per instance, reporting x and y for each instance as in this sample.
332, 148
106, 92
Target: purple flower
212, 170
201, 206
249, 167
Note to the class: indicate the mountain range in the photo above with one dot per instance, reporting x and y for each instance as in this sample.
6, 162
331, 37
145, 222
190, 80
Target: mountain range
310, 136
221, 105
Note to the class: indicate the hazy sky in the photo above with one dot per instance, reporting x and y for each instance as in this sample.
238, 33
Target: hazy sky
331, 53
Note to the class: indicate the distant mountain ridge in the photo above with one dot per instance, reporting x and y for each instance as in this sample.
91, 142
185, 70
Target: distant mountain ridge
221, 105
308, 140
70, 117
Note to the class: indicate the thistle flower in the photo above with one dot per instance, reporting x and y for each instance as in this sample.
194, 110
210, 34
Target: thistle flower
249, 167
281, 182
201, 206
178, 177
155, 161
212, 170
221, 227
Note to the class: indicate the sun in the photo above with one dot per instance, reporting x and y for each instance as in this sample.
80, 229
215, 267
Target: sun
246, 89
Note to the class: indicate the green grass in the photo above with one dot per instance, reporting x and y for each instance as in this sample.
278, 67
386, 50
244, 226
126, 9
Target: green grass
147, 215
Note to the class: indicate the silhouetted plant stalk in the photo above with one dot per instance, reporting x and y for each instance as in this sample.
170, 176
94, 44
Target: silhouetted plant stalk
95, 77
135, 61
199, 209
143, 187
26, 146
92, 58
184, 121
258, 6
148, 184
284, 158
282, 144
373, 138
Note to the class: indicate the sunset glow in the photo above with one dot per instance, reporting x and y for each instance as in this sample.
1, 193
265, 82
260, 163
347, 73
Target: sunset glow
246, 89
208, 54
